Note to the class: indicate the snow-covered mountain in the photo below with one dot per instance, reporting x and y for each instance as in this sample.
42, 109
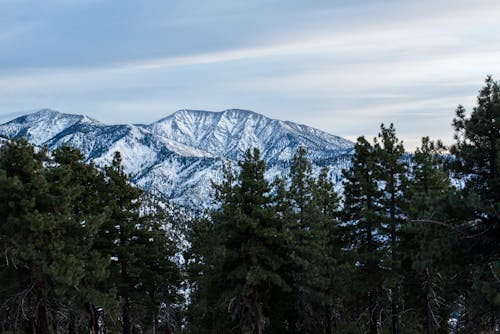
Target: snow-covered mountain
177, 156
232, 132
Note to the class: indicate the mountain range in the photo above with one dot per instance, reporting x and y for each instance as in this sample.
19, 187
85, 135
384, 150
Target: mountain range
178, 156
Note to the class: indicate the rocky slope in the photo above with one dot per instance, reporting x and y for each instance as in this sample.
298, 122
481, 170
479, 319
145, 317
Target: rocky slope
178, 156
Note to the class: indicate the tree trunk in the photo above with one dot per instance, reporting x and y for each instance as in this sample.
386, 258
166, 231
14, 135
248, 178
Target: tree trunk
168, 330
432, 323
93, 325
395, 311
42, 323
154, 330
395, 266
127, 323
72, 324
328, 319
126, 309
155, 311
371, 267
372, 296
257, 316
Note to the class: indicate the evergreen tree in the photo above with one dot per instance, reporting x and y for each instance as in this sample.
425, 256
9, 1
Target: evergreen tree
392, 170
427, 243
119, 239
309, 246
362, 212
334, 266
477, 153
159, 274
207, 311
23, 186
309, 215
46, 236
253, 245
86, 207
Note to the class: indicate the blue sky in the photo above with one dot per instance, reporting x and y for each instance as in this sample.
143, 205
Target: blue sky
341, 66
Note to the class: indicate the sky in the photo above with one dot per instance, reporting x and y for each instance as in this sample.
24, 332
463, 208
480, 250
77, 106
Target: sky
341, 66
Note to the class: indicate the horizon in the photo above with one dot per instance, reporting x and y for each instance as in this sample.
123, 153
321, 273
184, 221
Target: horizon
22, 114
341, 67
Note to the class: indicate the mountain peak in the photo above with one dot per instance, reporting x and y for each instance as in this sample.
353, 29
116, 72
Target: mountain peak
182, 113
229, 133
178, 155
40, 126
48, 113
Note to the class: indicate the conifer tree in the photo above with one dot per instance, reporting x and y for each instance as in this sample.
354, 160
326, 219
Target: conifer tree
309, 247
47, 234
253, 245
392, 172
207, 311
159, 275
334, 265
425, 242
362, 212
87, 209
119, 237
477, 152
23, 186
309, 214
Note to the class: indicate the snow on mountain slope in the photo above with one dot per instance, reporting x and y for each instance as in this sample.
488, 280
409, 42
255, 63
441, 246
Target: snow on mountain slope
41, 125
140, 149
178, 156
229, 133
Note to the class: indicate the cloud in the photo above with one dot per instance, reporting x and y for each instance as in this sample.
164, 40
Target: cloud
405, 63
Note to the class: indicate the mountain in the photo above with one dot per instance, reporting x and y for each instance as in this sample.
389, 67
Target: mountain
231, 132
178, 156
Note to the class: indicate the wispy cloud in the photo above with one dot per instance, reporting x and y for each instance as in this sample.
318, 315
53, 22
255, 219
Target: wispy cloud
341, 69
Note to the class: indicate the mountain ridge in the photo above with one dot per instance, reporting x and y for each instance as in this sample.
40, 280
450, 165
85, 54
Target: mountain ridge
179, 155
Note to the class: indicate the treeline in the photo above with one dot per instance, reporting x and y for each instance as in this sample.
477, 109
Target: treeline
410, 246
81, 250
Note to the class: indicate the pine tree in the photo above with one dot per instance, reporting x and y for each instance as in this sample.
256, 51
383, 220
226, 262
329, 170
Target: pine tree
86, 204
477, 153
392, 178
46, 235
253, 245
23, 185
303, 218
308, 204
334, 265
362, 212
159, 274
207, 313
119, 238
425, 242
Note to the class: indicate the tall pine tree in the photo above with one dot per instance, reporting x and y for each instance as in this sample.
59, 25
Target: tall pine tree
362, 212
477, 153
253, 245
392, 170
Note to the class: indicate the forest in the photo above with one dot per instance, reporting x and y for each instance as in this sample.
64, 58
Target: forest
409, 244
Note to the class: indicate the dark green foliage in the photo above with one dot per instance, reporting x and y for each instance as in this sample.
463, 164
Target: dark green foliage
264, 261
477, 153
362, 212
392, 180
47, 236
310, 214
59, 233
429, 273
253, 245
